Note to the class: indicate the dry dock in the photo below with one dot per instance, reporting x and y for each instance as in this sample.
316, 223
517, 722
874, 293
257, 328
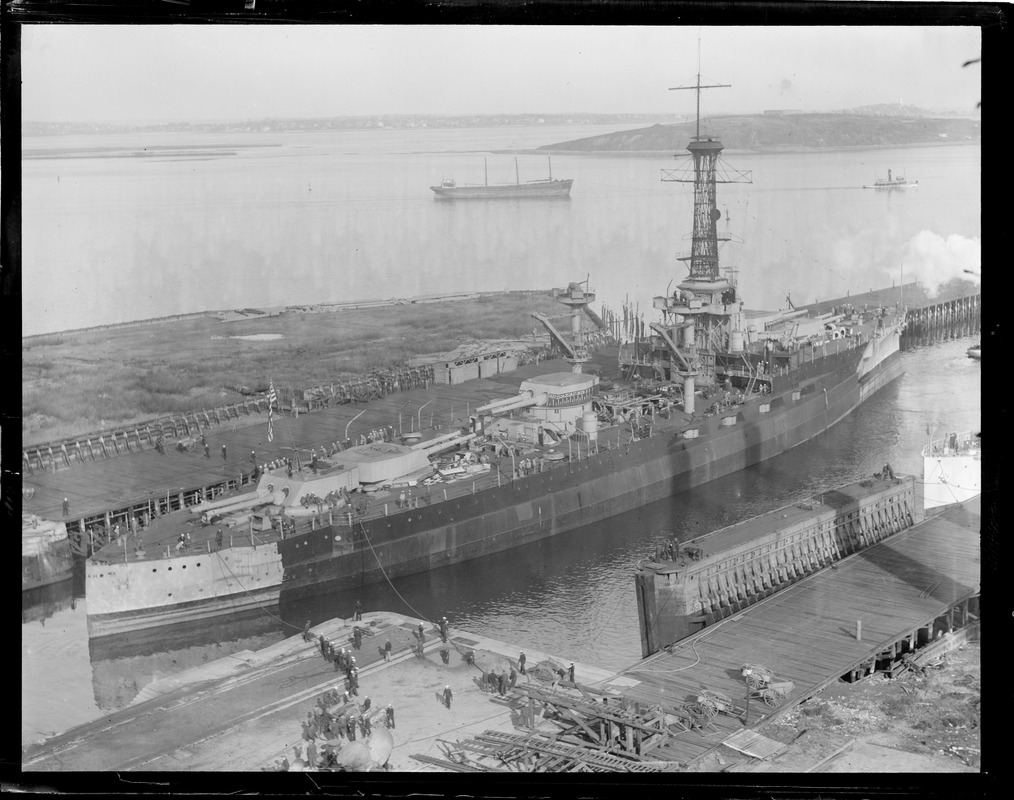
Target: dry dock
245, 712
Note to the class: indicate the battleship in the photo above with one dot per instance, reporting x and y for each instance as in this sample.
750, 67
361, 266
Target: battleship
709, 389
449, 189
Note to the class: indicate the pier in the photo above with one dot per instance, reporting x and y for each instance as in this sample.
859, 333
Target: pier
953, 313
864, 614
878, 610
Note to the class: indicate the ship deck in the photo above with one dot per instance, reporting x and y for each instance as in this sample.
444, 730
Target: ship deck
807, 633
104, 492
100, 487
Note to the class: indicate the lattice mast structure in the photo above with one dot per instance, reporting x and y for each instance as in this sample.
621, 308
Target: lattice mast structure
703, 317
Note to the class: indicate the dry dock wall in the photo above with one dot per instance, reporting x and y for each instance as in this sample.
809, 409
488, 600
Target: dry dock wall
752, 560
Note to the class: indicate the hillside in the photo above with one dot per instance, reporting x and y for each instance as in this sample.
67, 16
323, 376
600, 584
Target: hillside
776, 131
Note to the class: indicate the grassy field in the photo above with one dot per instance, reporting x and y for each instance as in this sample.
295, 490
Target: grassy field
73, 383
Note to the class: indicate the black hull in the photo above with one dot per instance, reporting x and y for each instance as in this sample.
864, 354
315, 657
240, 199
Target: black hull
582, 493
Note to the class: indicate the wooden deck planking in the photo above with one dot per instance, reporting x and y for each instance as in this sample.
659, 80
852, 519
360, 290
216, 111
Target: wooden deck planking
806, 633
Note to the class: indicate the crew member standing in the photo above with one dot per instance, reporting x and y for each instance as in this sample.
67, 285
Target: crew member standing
207, 451
570, 672
521, 662
359, 611
387, 650
357, 638
447, 696
223, 452
389, 713
443, 629
66, 507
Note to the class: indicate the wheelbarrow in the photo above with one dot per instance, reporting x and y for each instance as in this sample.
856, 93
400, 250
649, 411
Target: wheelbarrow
709, 703
773, 692
756, 676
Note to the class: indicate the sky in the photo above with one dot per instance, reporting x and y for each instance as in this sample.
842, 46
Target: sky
126, 73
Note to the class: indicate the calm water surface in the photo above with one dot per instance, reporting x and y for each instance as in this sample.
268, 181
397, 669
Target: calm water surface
326, 217
298, 218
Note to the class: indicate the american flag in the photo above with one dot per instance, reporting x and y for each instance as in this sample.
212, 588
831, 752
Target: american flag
272, 399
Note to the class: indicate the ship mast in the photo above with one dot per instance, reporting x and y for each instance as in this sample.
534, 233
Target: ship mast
704, 253
703, 318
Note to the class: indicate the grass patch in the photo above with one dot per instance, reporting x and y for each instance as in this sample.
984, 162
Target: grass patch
50, 340
101, 378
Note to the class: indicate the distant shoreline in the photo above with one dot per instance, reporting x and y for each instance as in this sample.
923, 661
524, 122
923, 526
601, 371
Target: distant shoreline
773, 150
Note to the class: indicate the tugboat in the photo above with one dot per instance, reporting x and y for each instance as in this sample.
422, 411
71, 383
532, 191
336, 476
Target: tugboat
709, 389
891, 182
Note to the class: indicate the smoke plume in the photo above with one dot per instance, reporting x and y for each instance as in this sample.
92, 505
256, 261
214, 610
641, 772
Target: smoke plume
934, 261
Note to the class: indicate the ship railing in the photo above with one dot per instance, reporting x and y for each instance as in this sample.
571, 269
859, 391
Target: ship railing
500, 474
952, 444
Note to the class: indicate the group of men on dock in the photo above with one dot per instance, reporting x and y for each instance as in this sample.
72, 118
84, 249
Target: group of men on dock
338, 716
335, 719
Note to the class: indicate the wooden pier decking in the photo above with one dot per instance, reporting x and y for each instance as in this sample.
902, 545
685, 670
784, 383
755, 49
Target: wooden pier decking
903, 592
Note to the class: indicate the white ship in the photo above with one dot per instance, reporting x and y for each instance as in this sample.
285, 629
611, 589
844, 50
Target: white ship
952, 469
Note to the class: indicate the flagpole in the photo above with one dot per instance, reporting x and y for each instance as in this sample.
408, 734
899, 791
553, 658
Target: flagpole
272, 399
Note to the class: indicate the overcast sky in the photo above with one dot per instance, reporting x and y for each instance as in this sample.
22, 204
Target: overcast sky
220, 72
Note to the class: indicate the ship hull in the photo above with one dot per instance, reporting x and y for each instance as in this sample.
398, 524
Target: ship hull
45, 556
129, 596
624, 477
557, 188
580, 494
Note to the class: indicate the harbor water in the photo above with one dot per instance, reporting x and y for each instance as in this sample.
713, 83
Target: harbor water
323, 218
